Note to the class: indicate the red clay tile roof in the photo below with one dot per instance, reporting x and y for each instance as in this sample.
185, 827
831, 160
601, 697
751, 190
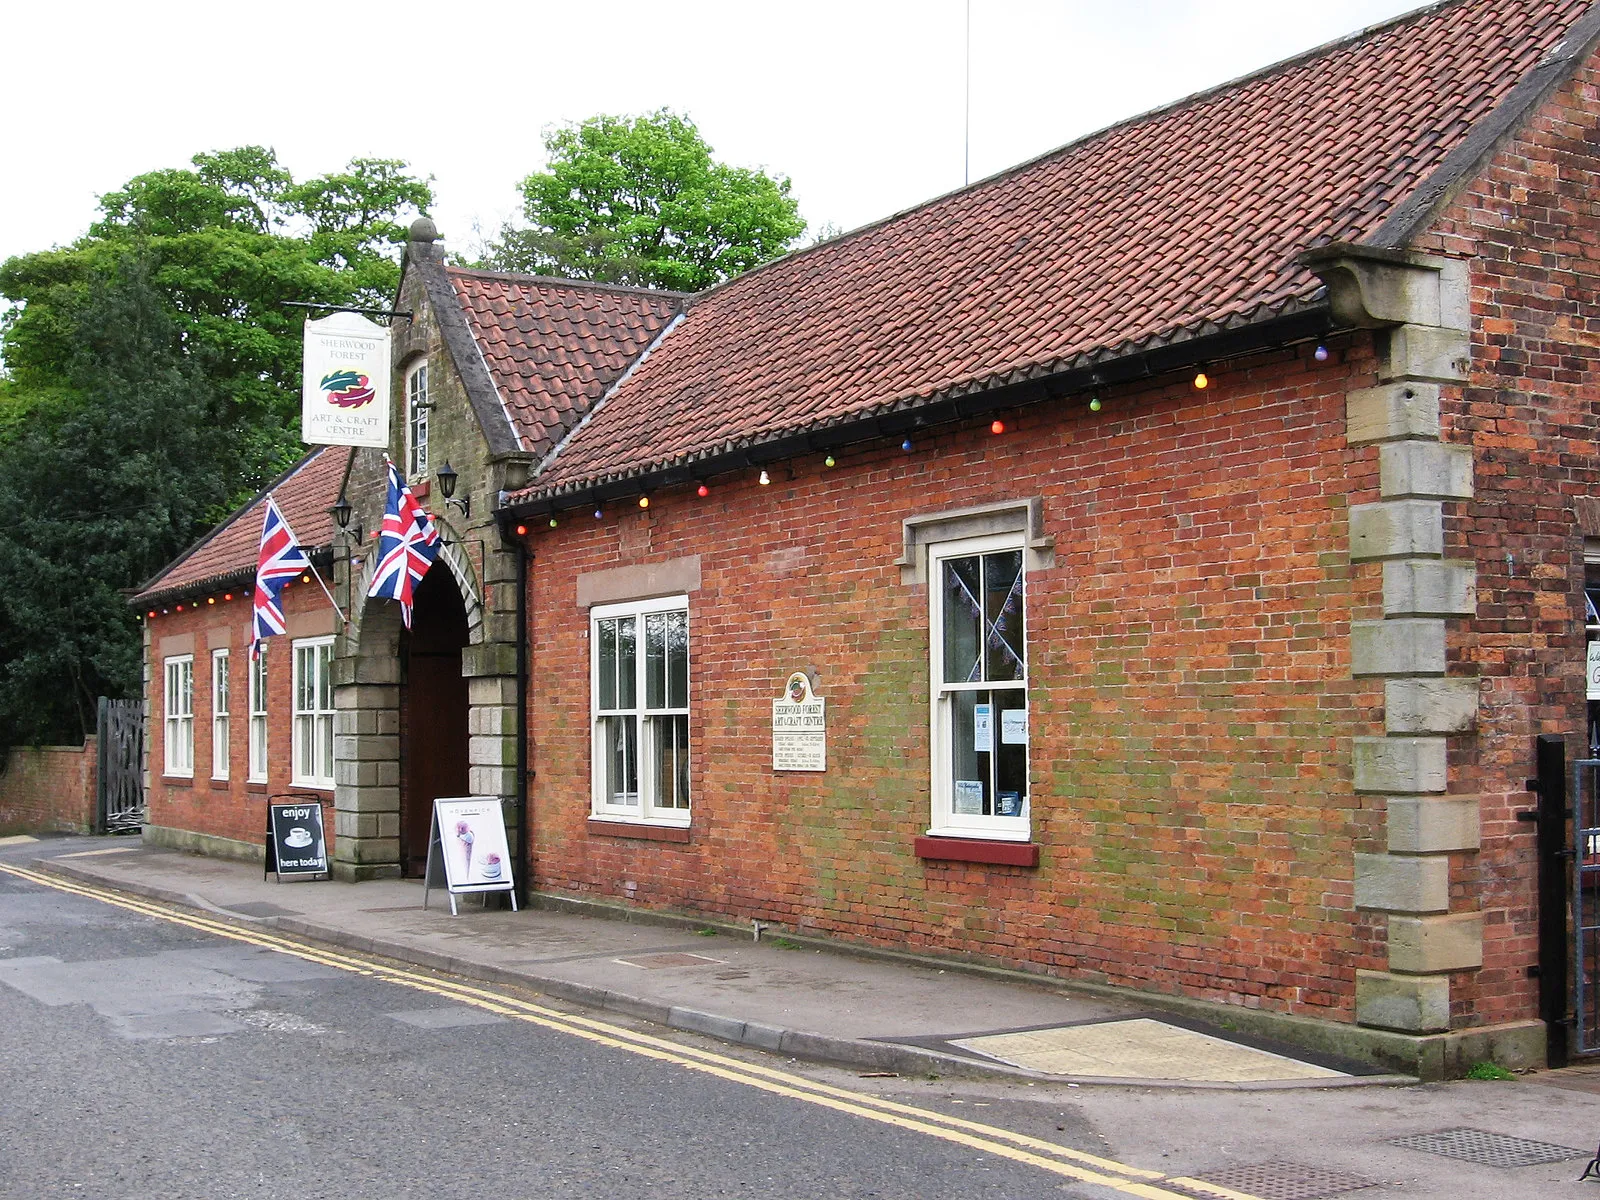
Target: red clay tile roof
553, 346
304, 494
1150, 231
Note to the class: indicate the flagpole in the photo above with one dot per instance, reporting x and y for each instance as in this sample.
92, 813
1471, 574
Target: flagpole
315, 574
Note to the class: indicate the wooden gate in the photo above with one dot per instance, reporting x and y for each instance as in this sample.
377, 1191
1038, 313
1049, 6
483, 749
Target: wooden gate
120, 777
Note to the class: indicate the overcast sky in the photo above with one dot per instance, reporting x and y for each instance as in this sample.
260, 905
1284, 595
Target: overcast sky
859, 102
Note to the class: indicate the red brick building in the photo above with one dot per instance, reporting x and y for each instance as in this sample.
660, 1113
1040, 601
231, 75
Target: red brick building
222, 733
1185, 533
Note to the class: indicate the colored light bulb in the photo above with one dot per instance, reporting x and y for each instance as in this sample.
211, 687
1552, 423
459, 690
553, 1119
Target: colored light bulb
1201, 382
702, 491
997, 426
644, 501
1094, 404
1320, 354
829, 461
906, 445
553, 522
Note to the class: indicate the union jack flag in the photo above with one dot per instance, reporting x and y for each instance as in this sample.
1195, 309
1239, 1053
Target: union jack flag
407, 546
280, 560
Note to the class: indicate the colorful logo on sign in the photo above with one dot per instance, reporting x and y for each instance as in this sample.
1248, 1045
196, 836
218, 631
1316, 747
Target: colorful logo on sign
347, 389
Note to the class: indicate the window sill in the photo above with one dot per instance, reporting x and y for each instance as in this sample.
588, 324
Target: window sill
648, 833
978, 850
178, 780
311, 787
255, 785
220, 785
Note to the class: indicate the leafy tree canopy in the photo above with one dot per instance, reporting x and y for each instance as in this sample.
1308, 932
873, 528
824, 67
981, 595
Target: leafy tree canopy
96, 496
639, 200
151, 383
224, 244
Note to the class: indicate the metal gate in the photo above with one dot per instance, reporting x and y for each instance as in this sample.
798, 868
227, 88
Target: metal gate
120, 775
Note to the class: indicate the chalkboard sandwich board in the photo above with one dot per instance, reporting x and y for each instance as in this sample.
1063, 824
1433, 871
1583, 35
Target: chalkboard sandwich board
296, 847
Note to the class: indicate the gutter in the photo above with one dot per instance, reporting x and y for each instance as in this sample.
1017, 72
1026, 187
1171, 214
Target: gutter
1304, 324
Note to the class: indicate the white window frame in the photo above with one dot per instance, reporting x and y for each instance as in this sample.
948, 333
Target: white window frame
220, 660
945, 820
177, 697
256, 771
311, 751
645, 806
417, 410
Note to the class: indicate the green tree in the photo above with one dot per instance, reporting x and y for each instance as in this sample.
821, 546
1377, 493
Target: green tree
96, 495
639, 200
225, 244
152, 382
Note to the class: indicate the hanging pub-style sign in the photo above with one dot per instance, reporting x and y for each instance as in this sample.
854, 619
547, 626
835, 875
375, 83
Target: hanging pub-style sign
344, 397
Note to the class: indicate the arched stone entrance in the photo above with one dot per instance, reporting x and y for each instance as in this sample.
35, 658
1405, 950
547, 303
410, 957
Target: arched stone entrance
400, 739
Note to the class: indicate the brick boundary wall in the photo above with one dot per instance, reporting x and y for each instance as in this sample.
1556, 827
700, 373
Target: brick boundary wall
49, 789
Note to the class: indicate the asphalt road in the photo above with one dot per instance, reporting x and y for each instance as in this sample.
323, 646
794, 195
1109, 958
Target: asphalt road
143, 1058
150, 1051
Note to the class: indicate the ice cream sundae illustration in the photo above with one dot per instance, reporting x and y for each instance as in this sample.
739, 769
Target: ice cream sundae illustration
298, 837
464, 836
491, 865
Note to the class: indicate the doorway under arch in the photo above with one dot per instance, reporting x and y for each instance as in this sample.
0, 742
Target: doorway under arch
433, 712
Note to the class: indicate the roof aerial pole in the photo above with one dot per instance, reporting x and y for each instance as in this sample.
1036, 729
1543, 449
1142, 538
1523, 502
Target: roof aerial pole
966, 146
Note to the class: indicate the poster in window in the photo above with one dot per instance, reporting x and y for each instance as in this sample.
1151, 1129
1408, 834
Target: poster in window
1014, 727
1594, 670
969, 797
983, 728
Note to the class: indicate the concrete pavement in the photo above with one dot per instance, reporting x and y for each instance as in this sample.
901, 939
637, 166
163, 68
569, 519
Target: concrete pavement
775, 993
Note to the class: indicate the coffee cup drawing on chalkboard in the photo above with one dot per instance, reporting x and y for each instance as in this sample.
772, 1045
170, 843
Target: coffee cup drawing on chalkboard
299, 837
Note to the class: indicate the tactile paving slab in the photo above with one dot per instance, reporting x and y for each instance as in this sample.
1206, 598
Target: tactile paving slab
1140, 1048
1269, 1181
1488, 1149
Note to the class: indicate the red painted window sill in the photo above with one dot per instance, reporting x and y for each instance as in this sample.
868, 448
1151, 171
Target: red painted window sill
648, 833
979, 850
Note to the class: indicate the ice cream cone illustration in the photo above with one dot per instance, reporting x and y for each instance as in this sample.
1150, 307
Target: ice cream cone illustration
464, 836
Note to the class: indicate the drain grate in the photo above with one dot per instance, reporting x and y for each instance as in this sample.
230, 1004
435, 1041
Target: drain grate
1269, 1181
1487, 1149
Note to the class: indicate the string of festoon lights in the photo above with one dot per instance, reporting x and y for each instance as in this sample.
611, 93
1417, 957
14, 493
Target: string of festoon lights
1201, 381
210, 601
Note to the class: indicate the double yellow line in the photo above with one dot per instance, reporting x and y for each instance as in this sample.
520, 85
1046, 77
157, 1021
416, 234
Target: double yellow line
1003, 1143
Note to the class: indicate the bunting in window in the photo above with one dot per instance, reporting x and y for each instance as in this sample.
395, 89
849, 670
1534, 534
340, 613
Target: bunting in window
995, 630
407, 546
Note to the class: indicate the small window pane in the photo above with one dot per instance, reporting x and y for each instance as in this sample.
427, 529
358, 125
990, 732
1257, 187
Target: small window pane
971, 793
627, 666
607, 633
620, 740
670, 745
1002, 605
962, 620
655, 660
678, 662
